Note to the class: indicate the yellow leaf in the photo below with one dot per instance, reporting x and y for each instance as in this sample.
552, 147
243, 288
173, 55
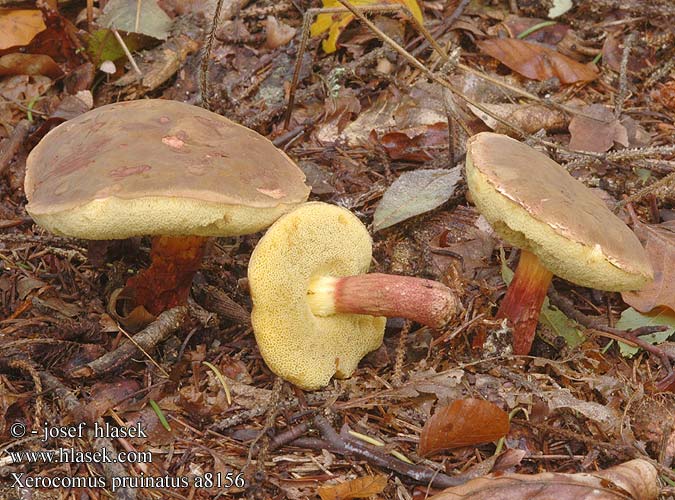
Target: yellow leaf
335, 23
362, 487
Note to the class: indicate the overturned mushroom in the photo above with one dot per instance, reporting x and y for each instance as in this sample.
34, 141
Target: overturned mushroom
561, 227
315, 312
162, 168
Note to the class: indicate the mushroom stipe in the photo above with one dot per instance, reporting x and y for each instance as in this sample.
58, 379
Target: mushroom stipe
561, 226
315, 311
160, 168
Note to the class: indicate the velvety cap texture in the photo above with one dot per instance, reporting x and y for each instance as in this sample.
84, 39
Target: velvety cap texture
535, 204
315, 239
158, 167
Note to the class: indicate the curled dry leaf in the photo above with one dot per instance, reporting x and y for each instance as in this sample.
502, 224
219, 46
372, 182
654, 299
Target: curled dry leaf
409, 147
29, 64
465, 422
635, 480
529, 117
414, 193
660, 246
361, 487
536, 61
277, 33
599, 133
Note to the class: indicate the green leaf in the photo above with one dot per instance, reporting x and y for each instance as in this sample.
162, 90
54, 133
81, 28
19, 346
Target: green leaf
632, 319
103, 46
558, 322
414, 193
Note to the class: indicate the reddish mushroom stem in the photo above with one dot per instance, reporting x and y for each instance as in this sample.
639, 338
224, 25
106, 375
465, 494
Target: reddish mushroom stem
166, 283
523, 300
424, 301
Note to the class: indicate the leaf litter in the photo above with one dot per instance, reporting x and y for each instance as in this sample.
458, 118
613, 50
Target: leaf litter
373, 135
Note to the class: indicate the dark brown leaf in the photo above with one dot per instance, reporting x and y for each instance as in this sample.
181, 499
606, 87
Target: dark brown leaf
536, 61
463, 423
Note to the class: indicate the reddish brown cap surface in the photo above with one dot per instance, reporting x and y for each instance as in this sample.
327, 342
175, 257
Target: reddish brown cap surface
128, 168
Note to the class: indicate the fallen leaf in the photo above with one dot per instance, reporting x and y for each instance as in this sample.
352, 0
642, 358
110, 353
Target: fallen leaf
636, 479
536, 61
465, 422
529, 117
599, 133
29, 64
19, 26
563, 398
277, 33
632, 319
641, 55
414, 193
408, 146
660, 247
121, 15
361, 487
336, 23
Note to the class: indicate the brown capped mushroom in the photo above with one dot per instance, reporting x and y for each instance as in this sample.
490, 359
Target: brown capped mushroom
315, 313
561, 227
162, 168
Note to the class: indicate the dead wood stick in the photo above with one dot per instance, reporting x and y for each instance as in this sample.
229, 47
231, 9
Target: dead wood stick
342, 444
216, 301
156, 332
111, 469
11, 145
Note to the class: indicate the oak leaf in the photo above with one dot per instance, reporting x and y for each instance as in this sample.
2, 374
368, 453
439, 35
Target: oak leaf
536, 61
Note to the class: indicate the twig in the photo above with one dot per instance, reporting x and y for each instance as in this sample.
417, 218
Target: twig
165, 324
204, 69
344, 445
664, 183
217, 301
111, 469
397, 376
620, 97
13, 143
632, 336
127, 53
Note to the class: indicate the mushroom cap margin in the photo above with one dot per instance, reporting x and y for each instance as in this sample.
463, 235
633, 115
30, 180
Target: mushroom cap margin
125, 169
535, 204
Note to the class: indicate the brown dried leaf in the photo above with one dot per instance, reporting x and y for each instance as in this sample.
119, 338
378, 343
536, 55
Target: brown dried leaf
528, 117
597, 135
635, 480
411, 146
463, 423
660, 245
536, 61
277, 33
19, 26
361, 487
29, 64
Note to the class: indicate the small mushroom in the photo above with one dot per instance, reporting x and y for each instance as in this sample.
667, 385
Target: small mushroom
315, 313
162, 168
561, 227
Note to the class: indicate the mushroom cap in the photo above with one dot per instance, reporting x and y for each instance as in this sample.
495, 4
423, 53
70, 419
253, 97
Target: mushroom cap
315, 239
158, 167
535, 204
